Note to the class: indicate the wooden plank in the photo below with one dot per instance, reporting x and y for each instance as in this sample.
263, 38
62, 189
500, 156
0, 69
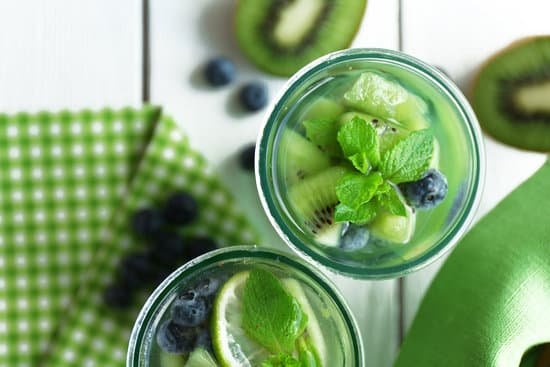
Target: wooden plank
458, 36
66, 54
184, 35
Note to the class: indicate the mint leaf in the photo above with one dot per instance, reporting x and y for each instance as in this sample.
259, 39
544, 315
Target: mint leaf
409, 159
323, 132
359, 142
355, 189
271, 316
281, 360
361, 215
390, 199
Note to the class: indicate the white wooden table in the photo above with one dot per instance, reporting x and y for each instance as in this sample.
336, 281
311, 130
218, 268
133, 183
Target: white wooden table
65, 53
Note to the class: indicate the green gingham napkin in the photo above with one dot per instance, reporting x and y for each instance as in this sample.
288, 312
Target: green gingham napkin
67, 175
95, 335
61, 176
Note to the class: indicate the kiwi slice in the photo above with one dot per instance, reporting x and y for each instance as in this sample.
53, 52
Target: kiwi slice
511, 94
314, 199
390, 133
323, 108
281, 36
378, 94
299, 157
394, 228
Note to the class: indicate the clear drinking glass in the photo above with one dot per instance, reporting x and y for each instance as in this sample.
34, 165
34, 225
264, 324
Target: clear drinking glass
461, 159
342, 339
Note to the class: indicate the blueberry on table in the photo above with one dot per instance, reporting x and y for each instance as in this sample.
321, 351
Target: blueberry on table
136, 270
117, 296
253, 96
174, 338
146, 222
189, 309
167, 247
219, 71
196, 246
427, 192
246, 157
181, 208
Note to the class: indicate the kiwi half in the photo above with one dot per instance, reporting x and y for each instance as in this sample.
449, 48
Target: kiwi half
281, 36
511, 94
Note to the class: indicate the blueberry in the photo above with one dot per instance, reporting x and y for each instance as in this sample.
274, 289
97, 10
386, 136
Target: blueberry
354, 237
147, 222
247, 157
207, 287
181, 208
167, 247
117, 296
189, 309
204, 340
427, 192
253, 96
196, 246
136, 270
174, 338
219, 71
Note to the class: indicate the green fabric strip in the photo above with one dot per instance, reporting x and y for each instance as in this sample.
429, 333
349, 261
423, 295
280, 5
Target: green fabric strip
94, 335
490, 302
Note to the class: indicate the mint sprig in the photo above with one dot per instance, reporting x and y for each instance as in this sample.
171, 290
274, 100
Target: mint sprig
363, 194
271, 316
282, 360
409, 159
359, 142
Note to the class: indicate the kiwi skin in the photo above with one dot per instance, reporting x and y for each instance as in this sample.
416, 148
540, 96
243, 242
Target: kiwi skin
281, 67
522, 143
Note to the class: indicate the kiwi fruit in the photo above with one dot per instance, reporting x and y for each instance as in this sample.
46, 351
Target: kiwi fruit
301, 157
394, 228
511, 94
323, 108
378, 94
314, 199
281, 36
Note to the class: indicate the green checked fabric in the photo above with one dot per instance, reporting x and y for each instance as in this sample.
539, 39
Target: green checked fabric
61, 176
95, 335
490, 302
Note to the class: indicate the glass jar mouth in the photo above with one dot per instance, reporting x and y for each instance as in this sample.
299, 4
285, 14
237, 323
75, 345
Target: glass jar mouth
139, 336
264, 163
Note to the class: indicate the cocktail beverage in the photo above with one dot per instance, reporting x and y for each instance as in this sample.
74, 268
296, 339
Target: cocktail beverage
245, 306
370, 162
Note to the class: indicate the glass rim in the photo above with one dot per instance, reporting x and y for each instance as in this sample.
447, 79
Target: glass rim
454, 94
149, 310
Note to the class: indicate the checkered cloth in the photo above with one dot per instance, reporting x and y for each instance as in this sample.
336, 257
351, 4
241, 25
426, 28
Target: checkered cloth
62, 177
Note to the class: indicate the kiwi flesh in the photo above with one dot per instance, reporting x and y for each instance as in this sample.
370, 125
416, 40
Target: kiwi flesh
511, 94
394, 228
314, 199
302, 157
281, 36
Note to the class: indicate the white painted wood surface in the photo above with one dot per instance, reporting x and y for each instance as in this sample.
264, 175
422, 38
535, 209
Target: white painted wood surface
67, 54
459, 36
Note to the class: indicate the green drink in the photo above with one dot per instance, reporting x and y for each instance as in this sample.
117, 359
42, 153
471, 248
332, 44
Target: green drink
370, 163
244, 306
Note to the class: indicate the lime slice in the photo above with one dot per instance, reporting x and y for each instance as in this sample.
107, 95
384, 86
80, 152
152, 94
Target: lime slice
171, 359
233, 348
200, 358
313, 328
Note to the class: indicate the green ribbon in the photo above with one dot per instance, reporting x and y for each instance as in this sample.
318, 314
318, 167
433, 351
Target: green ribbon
490, 302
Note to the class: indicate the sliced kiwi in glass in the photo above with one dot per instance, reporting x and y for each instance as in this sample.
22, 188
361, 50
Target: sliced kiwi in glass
511, 94
313, 200
299, 158
281, 36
